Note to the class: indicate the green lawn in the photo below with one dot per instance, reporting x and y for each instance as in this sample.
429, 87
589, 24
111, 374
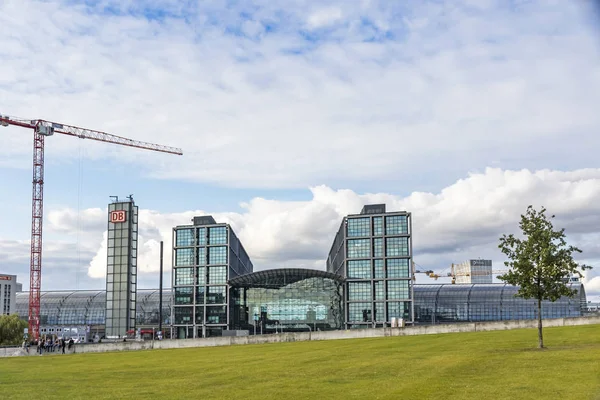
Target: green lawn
482, 365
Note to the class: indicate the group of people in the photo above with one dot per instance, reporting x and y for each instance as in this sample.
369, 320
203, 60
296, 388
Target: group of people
51, 345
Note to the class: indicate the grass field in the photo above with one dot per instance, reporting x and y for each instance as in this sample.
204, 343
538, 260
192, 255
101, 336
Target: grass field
482, 365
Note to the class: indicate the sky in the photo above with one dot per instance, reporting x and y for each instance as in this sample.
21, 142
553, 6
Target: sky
293, 114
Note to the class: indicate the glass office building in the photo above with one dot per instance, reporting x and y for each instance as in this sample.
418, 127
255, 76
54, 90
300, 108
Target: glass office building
206, 255
290, 300
373, 252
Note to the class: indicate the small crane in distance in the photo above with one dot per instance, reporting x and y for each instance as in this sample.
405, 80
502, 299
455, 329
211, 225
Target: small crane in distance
42, 129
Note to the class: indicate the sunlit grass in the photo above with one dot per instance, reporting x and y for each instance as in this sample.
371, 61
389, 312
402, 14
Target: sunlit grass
479, 365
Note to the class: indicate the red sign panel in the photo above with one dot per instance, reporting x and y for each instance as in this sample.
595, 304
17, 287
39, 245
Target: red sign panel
117, 216
4, 278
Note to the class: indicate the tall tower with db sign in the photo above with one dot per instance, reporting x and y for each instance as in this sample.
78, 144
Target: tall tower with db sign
121, 267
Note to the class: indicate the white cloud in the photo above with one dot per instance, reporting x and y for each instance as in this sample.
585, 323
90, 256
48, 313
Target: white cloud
481, 87
324, 17
462, 221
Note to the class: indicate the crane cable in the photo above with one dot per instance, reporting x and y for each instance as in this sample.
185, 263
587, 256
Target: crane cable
79, 184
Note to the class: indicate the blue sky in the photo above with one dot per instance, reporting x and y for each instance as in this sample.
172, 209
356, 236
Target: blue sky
292, 114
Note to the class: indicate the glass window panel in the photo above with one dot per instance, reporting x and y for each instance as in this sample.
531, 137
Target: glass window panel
184, 256
201, 236
217, 235
379, 312
379, 270
216, 295
396, 225
184, 276
398, 309
217, 275
359, 269
359, 291
358, 227
216, 315
378, 247
377, 226
200, 292
398, 268
183, 315
201, 251
217, 255
184, 295
379, 290
359, 248
201, 276
397, 290
359, 312
396, 246
184, 237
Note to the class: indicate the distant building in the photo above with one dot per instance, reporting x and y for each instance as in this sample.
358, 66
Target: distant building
8, 288
373, 252
473, 271
121, 273
206, 255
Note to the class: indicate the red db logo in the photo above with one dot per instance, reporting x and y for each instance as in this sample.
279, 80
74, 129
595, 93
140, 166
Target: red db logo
117, 216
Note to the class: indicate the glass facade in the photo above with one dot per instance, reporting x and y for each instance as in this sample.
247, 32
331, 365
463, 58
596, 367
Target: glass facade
316, 299
436, 304
121, 274
287, 300
372, 251
205, 256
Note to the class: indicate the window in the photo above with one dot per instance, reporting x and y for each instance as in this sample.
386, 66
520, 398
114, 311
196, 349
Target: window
359, 269
359, 248
216, 295
379, 290
217, 255
217, 275
200, 292
378, 247
379, 312
396, 225
200, 315
217, 235
359, 291
201, 236
398, 309
397, 290
378, 266
377, 226
358, 227
184, 295
201, 276
184, 256
397, 268
201, 254
183, 315
216, 315
396, 246
359, 312
184, 276
184, 237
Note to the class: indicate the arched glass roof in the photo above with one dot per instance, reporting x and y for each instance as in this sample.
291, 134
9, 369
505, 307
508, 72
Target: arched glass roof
278, 278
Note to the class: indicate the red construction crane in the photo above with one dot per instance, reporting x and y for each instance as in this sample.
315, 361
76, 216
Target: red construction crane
41, 129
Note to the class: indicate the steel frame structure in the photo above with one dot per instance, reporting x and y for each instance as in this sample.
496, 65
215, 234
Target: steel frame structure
43, 128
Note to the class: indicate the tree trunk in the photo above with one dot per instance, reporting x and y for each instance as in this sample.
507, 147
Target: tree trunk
540, 334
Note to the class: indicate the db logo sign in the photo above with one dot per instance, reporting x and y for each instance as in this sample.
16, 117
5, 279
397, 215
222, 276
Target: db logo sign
117, 216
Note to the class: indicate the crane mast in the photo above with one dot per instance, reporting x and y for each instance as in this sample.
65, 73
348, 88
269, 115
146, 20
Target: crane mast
42, 129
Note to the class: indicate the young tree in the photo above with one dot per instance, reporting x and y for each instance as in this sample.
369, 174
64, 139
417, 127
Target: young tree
541, 263
11, 329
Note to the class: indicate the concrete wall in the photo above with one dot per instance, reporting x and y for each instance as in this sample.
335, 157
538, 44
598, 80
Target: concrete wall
306, 336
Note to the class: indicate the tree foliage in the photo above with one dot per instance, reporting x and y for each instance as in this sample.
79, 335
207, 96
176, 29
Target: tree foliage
541, 263
11, 330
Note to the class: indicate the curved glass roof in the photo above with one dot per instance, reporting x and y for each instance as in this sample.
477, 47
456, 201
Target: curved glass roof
278, 278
